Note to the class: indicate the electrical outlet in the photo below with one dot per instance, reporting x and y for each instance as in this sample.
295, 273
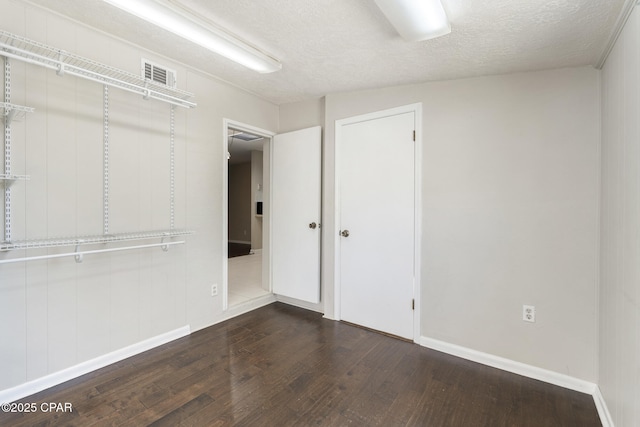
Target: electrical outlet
214, 290
529, 313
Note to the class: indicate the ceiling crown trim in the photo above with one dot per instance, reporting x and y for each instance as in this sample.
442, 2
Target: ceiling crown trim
625, 13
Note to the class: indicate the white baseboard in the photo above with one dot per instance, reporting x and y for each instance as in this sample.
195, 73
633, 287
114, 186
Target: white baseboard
529, 371
603, 410
319, 308
509, 365
43, 383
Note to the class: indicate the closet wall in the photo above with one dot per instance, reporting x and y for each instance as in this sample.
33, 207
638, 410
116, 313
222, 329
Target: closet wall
619, 345
59, 313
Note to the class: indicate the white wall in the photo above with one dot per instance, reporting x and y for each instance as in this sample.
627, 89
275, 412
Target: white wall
510, 211
620, 229
58, 313
301, 115
257, 181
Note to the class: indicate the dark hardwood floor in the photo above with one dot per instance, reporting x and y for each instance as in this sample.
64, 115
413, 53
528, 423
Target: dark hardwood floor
284, 366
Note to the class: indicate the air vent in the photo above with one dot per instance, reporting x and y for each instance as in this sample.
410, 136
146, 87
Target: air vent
246, 137
158, 73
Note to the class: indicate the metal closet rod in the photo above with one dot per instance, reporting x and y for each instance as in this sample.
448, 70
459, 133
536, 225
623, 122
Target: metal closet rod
79, 254
90, 239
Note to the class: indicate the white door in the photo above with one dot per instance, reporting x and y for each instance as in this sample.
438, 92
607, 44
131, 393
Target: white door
295, 232
377, 223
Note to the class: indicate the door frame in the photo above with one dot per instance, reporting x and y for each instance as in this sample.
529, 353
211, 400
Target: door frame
417, 110
266, 219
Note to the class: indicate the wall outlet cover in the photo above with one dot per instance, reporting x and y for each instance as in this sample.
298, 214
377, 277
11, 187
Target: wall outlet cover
529, 313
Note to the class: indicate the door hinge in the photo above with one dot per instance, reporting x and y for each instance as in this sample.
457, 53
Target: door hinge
413, 304
414, 135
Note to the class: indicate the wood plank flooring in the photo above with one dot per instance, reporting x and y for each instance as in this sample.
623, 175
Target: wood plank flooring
284, 366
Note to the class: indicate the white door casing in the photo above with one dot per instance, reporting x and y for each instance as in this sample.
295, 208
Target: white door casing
295, 202
377, 204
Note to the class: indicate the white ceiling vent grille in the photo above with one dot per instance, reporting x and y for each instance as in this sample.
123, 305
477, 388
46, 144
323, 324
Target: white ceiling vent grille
158, 73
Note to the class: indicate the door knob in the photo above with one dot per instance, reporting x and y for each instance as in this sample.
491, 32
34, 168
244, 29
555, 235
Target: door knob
344, 233
313, 225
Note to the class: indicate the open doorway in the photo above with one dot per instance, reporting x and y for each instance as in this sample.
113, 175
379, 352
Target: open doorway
247, 261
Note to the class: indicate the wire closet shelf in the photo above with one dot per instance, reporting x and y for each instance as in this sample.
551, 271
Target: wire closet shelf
91, 239
23, 49
78, 241
32, 52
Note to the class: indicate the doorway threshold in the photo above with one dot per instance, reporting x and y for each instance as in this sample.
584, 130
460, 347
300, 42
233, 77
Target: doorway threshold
247, 306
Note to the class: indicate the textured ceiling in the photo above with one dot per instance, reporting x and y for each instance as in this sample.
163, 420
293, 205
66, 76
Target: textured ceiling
330, 46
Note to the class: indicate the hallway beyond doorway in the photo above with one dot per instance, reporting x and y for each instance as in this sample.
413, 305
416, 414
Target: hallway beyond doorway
245, 278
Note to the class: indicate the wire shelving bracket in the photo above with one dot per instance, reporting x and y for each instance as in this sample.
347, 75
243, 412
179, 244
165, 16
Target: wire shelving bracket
10, 112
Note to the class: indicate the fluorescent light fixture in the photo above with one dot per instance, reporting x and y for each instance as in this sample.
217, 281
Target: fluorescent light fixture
186, 25
416, 20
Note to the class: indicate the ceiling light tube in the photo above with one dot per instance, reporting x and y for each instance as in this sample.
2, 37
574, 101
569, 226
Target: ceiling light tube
196, 30
416, 20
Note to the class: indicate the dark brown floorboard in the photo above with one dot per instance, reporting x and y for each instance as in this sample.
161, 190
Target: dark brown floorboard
284, 366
